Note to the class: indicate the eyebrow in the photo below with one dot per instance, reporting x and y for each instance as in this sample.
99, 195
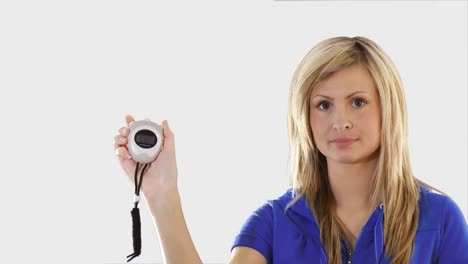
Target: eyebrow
346, 96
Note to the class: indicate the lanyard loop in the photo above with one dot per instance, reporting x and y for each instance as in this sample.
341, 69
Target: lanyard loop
136, 223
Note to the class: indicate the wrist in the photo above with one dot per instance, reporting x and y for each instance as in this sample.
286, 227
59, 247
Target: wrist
163, 195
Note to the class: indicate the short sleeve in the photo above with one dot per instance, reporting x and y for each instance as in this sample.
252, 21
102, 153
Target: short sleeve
257, 232
454, 235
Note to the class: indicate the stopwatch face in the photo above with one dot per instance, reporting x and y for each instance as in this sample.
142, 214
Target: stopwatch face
145, 139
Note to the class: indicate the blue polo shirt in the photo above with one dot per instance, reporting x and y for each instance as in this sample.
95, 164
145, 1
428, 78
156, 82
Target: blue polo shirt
293, 236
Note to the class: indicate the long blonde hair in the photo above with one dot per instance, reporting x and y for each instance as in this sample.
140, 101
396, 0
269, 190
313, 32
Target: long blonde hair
394, 183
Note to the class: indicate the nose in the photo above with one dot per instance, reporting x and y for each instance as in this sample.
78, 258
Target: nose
342, 120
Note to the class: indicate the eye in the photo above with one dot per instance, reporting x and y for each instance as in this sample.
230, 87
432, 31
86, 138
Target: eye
359, 102
324, 105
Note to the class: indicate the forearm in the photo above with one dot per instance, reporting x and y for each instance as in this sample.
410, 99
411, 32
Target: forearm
174, 236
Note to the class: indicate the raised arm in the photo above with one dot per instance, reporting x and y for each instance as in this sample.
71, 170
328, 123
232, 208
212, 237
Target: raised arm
159, 186
174, 237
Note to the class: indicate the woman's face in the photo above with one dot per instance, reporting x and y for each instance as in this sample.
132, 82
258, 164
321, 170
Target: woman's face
345, 116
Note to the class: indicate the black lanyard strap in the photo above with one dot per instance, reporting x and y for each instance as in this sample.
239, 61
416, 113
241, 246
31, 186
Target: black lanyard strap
136, 222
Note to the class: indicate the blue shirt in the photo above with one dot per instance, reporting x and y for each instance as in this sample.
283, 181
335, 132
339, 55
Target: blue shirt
293, 236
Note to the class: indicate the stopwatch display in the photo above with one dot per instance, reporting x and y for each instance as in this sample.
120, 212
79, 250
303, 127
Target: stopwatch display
145, 138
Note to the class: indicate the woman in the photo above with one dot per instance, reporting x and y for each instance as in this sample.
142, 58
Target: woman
354, 197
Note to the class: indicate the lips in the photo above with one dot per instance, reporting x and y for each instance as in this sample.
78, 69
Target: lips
337, 140
343, 142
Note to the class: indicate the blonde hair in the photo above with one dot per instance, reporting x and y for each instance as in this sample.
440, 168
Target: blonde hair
394, 183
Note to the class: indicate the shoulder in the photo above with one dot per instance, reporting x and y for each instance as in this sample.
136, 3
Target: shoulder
429, 198
257, 231
280, 204
436, 209
269, 210
276, 204
440, 214
280, 212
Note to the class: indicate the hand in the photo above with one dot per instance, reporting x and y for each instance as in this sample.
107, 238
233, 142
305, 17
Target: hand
161, 176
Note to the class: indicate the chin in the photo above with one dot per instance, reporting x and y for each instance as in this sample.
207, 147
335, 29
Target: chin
346, 160
350, 158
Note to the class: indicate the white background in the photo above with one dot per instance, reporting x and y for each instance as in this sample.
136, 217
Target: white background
219, 72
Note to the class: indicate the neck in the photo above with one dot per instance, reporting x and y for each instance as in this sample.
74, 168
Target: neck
351, 184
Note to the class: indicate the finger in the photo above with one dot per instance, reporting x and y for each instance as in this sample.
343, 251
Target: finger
119, 141
123, 152
166, 129
168, 136
124, 131
129, 119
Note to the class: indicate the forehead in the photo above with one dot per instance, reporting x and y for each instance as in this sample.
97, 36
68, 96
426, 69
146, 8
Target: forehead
346, 81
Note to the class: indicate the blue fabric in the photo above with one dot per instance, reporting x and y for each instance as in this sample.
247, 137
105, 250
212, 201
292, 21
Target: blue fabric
293, 236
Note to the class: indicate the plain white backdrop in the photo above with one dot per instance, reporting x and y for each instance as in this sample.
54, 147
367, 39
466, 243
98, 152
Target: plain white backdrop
219, 72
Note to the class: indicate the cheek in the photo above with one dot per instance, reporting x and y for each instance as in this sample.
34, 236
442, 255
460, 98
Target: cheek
315, 126
319, 130
377, 134
370, 123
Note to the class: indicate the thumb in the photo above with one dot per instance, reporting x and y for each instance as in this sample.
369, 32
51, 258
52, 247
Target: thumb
129, 119
168, 135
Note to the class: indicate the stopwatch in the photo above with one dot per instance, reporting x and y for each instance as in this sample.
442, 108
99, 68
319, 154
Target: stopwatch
144, 140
